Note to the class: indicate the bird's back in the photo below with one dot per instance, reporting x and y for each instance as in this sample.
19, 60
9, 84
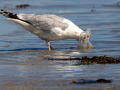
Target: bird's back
44, 21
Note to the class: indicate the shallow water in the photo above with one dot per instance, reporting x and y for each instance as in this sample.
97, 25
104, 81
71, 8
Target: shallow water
23, 64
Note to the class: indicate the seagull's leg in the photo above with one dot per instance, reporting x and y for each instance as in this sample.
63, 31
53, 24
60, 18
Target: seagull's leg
48, 44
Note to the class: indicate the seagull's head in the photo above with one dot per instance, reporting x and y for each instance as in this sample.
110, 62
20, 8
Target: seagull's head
84, 42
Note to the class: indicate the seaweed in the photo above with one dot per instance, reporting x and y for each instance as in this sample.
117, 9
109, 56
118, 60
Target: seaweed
83, 81
98, 60
22, 6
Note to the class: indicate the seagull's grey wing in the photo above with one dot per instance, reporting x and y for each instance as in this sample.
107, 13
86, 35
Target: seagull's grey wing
44, 21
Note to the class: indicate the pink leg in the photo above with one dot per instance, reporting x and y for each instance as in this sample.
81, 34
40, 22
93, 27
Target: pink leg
48, 44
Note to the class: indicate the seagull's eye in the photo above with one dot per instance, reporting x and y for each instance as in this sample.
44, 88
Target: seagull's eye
88, 36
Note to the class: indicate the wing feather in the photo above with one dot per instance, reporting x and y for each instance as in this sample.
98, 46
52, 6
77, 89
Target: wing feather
44, 21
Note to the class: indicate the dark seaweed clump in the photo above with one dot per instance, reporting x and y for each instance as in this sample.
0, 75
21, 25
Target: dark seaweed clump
98, 60
22, 6
93, 60
83, 81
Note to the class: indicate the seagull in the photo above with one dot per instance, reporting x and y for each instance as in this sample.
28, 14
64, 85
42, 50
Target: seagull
50, 27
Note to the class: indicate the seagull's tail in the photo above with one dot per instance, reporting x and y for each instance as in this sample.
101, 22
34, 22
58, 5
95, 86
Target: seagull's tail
8, 14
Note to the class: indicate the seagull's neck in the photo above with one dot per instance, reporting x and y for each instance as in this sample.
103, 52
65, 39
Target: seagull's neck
75, 34
73, 31
79, 33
